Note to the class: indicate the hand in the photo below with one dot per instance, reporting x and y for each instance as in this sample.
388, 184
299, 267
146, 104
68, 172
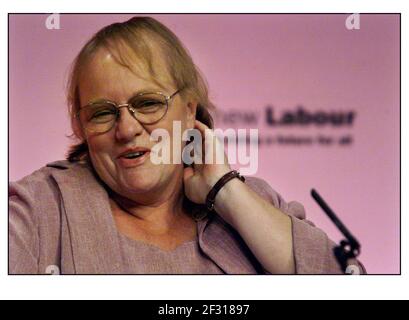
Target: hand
200, 178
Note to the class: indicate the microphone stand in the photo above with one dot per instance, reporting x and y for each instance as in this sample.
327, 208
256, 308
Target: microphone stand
348, 248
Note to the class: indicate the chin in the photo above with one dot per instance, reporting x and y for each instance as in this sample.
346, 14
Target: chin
138, 181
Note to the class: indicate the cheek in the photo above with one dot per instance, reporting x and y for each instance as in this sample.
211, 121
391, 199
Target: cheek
175, 125
182, 120
100, 147
175, 128
98, 142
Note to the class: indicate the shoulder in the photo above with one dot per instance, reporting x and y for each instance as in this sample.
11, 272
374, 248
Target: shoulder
264, 190
44, 173
35, 219
40, 184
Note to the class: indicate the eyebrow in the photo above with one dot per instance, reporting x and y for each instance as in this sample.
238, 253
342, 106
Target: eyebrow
148, 90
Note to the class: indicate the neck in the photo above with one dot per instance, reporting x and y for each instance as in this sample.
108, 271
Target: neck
160, 212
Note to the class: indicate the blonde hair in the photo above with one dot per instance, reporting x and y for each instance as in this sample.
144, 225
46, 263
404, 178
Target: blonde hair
133, 37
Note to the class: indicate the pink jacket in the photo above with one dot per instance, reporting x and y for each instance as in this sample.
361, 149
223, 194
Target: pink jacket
60, 216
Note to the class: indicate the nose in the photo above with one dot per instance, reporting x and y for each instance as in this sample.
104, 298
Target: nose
127, 126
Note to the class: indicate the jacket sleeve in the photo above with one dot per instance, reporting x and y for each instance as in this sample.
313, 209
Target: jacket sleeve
313, 250
23, 230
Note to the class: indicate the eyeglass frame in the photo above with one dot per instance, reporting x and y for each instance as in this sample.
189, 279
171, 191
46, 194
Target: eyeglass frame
128, 105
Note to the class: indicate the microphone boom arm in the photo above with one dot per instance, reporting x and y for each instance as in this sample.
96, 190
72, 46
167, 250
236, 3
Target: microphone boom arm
349, 248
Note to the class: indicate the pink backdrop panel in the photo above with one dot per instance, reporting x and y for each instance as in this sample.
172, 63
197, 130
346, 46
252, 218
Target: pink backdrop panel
254, 62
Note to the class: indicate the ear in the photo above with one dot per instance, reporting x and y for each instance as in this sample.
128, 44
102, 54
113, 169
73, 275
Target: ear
191, 114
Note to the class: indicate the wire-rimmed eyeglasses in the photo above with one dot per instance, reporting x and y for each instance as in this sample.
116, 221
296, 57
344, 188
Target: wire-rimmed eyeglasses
146, 107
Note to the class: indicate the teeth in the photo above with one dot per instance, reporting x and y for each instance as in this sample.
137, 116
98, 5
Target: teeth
134, 154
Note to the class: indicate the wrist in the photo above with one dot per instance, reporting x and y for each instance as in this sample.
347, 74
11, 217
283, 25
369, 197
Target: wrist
221, 184
212, 180
228, 199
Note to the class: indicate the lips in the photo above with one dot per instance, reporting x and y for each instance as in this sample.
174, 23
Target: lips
133, 157
131, 152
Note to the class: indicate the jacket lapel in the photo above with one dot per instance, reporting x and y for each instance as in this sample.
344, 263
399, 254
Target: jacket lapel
225, 247
89, 241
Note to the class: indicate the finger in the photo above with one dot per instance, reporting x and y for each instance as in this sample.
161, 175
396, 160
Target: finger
188, 172
210, 142
201, 126
207, 133
200, 150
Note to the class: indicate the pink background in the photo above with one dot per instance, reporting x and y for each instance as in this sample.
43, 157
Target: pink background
251, 61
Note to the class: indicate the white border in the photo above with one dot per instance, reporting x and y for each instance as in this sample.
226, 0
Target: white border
202, 287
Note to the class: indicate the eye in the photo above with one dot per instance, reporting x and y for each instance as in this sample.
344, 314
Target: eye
148, 105
102, 114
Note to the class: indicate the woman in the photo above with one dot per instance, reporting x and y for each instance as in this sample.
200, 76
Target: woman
110, 209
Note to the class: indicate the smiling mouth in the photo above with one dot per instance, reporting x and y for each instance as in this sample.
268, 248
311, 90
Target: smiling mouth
134, 155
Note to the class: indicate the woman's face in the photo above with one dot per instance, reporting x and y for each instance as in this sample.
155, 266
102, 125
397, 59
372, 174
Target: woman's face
104, 78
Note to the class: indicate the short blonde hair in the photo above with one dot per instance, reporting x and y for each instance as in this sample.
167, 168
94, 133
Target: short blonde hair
133, 36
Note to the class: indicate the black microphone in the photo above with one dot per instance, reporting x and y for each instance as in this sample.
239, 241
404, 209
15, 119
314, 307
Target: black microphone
349, 248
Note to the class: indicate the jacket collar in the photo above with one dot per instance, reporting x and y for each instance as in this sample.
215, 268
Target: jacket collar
93, 239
